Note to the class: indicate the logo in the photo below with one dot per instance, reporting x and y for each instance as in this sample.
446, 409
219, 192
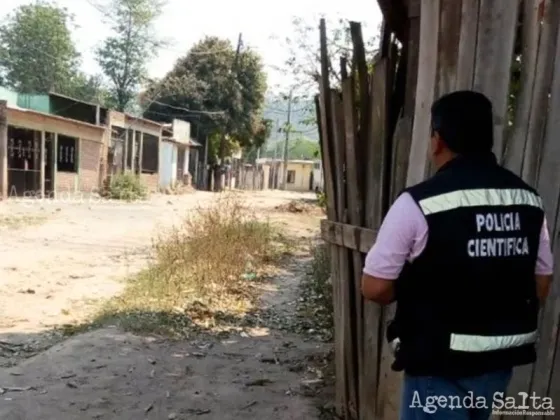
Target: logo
523, 405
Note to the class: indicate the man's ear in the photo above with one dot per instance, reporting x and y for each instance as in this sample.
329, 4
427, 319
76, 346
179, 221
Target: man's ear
437, 143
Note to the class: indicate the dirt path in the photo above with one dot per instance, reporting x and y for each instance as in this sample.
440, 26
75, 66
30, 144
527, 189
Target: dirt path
84, 251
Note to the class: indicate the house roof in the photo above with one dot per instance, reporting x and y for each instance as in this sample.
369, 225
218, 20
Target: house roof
55, 117
154, 123
75, 100
171, 139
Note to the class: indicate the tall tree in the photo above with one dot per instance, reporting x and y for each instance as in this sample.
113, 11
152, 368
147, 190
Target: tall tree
202, 88
36, 49
124, 55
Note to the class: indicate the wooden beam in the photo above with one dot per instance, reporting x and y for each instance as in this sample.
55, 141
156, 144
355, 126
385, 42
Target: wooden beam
141, 145
467, 46
348, 236
3, 150
43, 163
425, 89
497, 23
54, 163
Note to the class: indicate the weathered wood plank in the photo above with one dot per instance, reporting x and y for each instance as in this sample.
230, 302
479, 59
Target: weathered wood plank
333, 212
347, 288
375, 202
548, 186
448, 39
427, 69
4, 150
497, 23
524, 148
412, 49
544, 72
531, 31
467, 44
401, 146
347, 235
355, 216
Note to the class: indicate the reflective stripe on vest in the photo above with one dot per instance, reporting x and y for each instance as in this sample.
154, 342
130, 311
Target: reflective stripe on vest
480, 343
479, 197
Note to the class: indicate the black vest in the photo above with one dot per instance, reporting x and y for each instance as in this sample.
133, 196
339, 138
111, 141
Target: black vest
467, 305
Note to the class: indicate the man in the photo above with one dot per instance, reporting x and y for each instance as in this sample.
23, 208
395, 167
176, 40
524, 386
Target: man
466, 256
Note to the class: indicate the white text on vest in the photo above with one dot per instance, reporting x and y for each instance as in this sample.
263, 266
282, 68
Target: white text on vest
498, 247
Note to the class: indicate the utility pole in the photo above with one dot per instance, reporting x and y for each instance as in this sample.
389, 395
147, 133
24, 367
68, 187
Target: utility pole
286, 143
222, 151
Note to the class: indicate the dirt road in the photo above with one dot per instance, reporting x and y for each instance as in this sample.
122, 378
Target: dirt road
57, 272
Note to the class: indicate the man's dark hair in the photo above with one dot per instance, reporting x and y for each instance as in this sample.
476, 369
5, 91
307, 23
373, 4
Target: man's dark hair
464, 121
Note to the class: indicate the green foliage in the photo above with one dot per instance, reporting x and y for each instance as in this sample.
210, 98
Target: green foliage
36, 49
87, 88
203, 273
303, 62
37, 54
322, 199
124, 56
303, 148
127, 186
229, 93
299, 148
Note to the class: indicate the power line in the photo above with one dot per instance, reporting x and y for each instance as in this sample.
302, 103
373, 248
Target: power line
189, 110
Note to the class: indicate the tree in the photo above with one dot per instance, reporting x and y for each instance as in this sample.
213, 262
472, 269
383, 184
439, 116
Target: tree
36, 49
88, 88
263, 133
304, 58
37, 54
222, 95
124, 56
299, 148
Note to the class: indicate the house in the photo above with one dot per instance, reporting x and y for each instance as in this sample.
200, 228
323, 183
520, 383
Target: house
318, 180
46, 155
134, 146
90, 144
299, 174
179, 155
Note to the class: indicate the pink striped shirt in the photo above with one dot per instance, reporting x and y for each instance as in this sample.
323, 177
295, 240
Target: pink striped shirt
404, 234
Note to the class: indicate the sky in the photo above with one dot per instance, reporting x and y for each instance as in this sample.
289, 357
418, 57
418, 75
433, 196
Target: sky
262, 23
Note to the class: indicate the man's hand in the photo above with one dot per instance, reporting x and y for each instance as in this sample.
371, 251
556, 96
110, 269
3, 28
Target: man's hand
378, 290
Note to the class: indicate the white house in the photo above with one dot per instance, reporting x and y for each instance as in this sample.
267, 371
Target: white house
177, 149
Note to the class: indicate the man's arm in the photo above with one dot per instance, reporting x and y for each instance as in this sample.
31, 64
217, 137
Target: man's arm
543, 270
402, 234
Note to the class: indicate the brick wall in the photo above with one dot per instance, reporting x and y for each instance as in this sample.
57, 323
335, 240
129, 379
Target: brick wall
66, 182
150, 181
90, 159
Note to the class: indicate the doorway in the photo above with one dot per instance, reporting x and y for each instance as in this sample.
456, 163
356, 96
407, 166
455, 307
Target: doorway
24, 162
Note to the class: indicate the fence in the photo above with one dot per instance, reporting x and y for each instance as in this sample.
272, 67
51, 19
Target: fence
374, 139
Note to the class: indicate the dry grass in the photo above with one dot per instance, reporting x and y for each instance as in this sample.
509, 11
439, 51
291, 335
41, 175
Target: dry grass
14, 221
299, 206
316, 304
205, 270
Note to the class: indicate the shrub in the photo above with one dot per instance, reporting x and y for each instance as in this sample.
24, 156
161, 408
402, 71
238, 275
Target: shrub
317, 299
205, 266
127, 186
322, 199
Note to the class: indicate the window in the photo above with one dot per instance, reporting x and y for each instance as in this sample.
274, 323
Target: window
67, 154
291, 177
317, 165
150, 154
